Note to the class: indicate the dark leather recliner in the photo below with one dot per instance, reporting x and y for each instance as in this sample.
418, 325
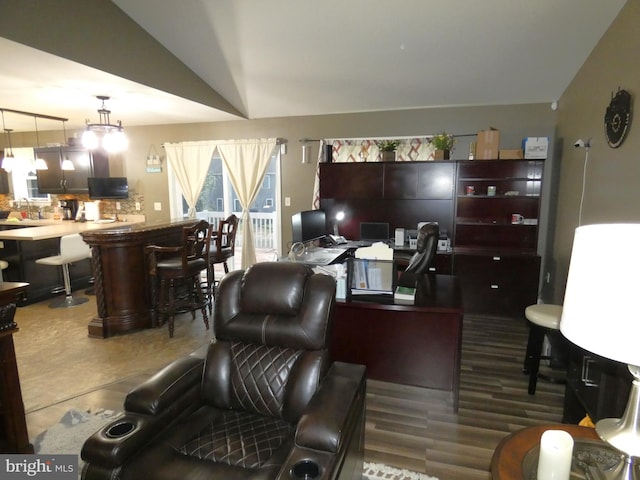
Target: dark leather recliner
263, 399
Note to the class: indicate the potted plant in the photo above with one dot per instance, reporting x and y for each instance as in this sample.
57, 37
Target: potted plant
443, 143
388, 149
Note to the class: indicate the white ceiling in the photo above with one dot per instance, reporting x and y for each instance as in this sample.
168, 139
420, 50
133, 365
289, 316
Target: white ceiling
290, 57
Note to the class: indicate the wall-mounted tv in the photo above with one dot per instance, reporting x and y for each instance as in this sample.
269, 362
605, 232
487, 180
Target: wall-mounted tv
105, 188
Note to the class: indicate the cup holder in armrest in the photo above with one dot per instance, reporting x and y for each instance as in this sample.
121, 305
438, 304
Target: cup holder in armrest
120, 429
305, 470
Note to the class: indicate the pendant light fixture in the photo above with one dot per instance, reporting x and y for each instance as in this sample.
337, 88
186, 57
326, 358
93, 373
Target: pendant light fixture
7, 161
104, 134
40, 164
66, 163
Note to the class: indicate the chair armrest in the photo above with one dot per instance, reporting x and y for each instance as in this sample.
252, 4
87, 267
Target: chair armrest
163, 389
160, 249
162, 400
334, 410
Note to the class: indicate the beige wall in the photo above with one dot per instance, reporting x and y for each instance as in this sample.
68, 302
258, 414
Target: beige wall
514, 121
612, 192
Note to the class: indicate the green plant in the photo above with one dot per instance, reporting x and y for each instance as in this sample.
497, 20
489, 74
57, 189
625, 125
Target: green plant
443, 141
388, 145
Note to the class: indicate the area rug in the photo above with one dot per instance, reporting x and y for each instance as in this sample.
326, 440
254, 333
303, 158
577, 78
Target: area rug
376, 471
69, 434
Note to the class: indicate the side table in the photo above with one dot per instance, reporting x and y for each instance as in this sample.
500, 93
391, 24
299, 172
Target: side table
515, 457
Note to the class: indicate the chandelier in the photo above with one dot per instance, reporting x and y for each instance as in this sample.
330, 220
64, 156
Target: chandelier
104, 134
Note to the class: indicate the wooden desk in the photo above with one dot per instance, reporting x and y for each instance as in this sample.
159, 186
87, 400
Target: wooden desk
508, 458
123, 292
13, 434
409, 344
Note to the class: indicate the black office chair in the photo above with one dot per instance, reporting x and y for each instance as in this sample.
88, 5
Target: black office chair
426, 247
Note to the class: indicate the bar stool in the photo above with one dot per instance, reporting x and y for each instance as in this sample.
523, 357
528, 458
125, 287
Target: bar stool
544, 319
72, 249
3, 265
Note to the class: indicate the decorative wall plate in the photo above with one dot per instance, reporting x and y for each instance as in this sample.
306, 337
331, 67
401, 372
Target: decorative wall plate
617, 118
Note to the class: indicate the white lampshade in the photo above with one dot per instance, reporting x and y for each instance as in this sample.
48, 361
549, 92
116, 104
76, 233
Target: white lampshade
601, 308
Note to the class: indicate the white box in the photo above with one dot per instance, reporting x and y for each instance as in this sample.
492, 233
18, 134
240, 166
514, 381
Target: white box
399, 237
535, 147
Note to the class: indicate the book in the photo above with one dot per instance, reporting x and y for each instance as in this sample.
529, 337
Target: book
405, 295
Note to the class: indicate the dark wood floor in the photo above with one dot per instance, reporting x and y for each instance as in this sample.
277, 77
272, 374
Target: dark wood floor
407, 427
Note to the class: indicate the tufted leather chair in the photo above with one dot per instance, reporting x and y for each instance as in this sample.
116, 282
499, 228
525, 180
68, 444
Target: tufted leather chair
263, 399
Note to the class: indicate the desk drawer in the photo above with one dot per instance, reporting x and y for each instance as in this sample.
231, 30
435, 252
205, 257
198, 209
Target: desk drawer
497, 284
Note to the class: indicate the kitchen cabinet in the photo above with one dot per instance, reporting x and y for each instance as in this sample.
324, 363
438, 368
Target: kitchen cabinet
43, 279
86, 164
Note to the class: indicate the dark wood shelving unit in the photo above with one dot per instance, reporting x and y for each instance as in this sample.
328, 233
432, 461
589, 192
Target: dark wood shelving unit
496, 261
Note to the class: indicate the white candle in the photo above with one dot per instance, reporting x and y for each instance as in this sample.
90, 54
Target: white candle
556, 450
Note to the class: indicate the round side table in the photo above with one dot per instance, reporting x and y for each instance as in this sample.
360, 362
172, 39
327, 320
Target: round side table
508, 462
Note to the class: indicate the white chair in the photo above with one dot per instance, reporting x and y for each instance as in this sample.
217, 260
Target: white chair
72, 249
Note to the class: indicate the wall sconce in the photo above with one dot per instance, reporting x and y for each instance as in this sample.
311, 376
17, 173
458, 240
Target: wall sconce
306, 148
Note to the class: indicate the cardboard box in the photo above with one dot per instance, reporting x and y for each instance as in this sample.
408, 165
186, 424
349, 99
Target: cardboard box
511, 154
535, 147
487, 144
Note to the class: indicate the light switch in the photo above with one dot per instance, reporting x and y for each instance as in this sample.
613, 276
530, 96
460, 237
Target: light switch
117, 205
138, 206
287, 201
157, 206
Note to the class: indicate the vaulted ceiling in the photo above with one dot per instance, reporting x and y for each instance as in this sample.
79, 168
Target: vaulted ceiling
169, 61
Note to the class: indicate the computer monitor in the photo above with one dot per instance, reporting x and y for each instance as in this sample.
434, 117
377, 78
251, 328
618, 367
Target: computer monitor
308, 225
374, 231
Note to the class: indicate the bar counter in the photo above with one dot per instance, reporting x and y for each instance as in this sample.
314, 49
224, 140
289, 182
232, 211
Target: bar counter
123, 290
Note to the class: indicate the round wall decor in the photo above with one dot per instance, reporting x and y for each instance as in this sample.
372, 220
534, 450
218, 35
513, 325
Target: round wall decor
617, 118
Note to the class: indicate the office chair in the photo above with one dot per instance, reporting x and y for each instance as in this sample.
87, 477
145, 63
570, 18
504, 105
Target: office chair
425, 249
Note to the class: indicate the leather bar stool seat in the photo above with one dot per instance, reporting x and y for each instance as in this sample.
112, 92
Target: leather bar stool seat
544, 320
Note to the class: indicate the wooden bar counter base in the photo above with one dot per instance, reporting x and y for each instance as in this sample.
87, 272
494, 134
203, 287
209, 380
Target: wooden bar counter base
123, 290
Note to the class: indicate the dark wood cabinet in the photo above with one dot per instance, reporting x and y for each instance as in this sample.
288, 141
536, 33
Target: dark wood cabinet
398, 193
86, 164
497, 284
496, 260
595, 386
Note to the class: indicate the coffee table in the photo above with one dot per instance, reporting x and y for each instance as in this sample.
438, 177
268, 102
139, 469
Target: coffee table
516, 456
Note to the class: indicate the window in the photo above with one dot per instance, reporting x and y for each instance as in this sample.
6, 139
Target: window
24, 179
218, 200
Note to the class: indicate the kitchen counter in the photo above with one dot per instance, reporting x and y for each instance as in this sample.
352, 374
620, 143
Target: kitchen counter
31, 230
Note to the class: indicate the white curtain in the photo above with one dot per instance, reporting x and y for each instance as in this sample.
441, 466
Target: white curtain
247, 161
190, 163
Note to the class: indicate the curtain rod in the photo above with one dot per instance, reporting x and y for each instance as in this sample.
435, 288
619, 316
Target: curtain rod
405, 137
197, 143
38, 115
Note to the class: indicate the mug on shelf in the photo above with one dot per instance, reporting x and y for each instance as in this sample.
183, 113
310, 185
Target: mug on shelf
516, 219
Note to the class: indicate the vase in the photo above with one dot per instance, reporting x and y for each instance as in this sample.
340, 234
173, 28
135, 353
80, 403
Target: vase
441, 155
388, 156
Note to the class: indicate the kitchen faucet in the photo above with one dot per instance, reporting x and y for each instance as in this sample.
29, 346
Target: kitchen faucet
28, 206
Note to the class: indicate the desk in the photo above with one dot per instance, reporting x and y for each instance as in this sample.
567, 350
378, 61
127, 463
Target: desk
13, 429
409, 344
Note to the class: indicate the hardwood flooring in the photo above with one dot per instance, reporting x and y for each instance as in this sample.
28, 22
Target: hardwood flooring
407, 427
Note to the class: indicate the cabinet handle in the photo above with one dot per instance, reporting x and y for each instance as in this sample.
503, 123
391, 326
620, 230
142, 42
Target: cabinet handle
497, 259
586, 361
432, 269
494, 286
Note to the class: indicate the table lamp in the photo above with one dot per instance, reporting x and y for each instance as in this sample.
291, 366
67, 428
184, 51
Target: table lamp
601, 313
